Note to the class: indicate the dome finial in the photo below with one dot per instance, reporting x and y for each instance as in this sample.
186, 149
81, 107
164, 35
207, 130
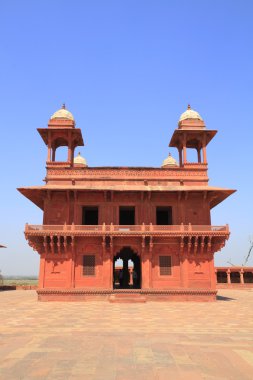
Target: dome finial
190, 114
62, 113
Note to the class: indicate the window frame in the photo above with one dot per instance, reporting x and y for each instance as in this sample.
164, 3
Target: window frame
88, 266
127, 207
163, 207
82, 214
169, 267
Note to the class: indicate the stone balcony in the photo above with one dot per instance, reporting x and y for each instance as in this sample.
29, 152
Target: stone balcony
127, 230
190, 238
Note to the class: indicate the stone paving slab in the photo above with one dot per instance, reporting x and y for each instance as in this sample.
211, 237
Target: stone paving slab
150, 341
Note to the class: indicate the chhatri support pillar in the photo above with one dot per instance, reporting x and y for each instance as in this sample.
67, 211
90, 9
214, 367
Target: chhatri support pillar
72, 156
48, 154
69, 153
204, 154
180, 156
53, 154
199, 155
204, 150
49, 145
184, 150
184, 155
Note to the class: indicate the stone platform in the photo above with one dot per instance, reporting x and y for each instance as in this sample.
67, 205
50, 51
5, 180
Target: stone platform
140, 341
157, 295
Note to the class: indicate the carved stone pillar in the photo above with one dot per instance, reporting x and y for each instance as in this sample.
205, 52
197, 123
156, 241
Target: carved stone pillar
213, 274
125, 273
145, 269
241, 276
184, 154
228, 277
42, 271
53, 154
48, 153
184, 270
199, 155
108, 269
73, 270
204, 154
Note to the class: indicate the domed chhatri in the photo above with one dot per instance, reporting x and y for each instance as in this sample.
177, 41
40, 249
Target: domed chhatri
169, 162
62, 113
190, 114
79, 160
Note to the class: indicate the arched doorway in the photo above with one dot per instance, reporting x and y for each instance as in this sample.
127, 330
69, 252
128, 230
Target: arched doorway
127, 271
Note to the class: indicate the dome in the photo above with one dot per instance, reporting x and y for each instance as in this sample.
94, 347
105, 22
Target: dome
62, 114
80, 160
190, 114
169, 161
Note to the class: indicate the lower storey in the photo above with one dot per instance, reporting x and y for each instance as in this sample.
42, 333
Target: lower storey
164, 265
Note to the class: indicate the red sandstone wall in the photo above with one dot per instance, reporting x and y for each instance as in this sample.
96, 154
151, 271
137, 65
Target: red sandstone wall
61, 208
59, 271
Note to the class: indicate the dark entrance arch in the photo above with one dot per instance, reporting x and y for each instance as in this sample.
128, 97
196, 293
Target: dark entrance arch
127, 277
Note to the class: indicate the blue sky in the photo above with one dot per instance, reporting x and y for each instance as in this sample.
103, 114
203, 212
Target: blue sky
126, 70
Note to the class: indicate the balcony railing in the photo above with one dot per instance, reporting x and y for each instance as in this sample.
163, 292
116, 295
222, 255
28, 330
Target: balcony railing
111, 229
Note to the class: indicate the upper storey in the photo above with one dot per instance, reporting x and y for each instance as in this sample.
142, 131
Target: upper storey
74, 175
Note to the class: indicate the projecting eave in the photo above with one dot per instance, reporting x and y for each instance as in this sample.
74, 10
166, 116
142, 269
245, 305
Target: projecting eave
36, 194
76, 132
192, 137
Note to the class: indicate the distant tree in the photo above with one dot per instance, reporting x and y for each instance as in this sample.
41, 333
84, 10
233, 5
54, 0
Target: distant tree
249, 252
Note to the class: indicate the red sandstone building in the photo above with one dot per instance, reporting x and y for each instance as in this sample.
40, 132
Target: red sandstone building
234, 276
159, 218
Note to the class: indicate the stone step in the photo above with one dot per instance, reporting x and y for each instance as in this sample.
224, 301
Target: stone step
127, 298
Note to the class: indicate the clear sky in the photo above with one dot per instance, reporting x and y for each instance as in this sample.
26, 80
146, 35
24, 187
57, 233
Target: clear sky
126, 70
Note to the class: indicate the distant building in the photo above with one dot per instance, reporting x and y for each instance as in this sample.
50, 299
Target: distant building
234, 276
159, 218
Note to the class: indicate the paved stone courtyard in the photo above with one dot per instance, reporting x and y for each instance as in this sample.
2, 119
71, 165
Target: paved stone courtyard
100, 340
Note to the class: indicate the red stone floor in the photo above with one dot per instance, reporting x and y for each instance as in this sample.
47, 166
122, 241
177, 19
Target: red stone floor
101, 340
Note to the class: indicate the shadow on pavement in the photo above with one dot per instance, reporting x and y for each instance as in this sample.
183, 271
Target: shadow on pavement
222, 298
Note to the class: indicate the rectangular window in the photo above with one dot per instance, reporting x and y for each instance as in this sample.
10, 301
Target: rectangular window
165, 265
126, 215
163, 216
90, 216
89, 265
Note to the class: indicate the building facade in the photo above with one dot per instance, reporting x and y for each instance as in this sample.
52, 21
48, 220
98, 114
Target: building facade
157, 219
